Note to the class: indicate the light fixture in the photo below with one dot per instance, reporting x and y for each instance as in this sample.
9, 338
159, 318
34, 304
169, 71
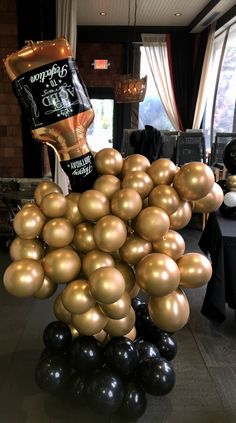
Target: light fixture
177, 14
130, 88
103, 13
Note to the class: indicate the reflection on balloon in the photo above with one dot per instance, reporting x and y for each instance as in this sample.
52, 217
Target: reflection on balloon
121, 355
45, 188
134, 403
135, 162
165, 197
61, 313
54, 205
157, 377
110, 233
86, 354
182, 216
83, 240
52, 373
193, 181
94, 260
72, 210
139, 181
126, 204
29, 222
195, 270
90, 322
128, 274
46, 290
230, 199
118, 309
152, 223
107, 285
122, 326
162, 171
58, 232
26, 248
57, 336
108, 185
77, 298
109, 161
23, 278
231, 182
62, 265
211, 201
134, 249
93, 205
171, 244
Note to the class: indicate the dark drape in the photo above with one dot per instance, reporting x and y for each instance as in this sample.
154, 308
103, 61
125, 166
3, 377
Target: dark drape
186, 54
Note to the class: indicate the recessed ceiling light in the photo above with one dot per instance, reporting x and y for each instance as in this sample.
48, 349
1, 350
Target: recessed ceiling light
103, 13
178, 14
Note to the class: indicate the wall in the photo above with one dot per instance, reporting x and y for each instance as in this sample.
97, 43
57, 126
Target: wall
11, 160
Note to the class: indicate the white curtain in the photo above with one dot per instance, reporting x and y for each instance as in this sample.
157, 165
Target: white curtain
66, 26
205, 79
156, 52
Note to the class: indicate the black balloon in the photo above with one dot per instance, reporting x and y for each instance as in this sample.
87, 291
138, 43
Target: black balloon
166, 345
57, 336
229, 156
134, 403
144, 324
52, 373
85, 354
104, 391
156, 376
136, 301
121, 355
76, 389
146, 350
226, 211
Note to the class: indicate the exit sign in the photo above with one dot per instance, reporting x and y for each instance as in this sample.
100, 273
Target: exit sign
100, 64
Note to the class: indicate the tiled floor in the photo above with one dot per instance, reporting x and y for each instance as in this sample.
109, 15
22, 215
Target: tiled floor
205, 366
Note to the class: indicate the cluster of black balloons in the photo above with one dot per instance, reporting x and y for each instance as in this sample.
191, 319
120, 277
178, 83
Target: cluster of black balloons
110, 378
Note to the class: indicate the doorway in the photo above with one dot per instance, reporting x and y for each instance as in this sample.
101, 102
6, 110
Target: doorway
100, 132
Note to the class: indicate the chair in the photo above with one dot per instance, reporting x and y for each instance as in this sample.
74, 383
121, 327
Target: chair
126, 148
168, 139
217, 150
190, 147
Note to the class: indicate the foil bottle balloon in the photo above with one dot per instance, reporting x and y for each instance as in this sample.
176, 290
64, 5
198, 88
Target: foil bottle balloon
47, 83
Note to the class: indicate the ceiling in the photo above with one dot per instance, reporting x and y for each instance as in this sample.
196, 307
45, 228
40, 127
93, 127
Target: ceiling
195, 13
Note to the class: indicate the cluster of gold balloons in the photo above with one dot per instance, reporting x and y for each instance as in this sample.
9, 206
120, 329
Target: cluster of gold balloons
109, 242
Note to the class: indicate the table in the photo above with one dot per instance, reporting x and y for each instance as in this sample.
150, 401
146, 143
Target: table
219, 241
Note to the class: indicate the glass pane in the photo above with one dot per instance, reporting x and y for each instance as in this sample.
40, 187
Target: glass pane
100, 132
151, 111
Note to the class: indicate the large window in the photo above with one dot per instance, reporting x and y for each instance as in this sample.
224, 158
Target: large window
151, 110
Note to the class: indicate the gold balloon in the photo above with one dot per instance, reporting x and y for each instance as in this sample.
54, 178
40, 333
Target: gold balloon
72, 210
134, 249
128, 274
118, 309
23, 278
110, 233
126, 204
77, 298
195, 270
165, 197
211, 201
45, 188
29, 204
91, 322
60, 311
193, 181
108, 185
46, 290
152, 223
58, 232
107, 285
109, 161
171, 244
231, 182
26, 248
134, 291
74, 332
135, 162
162, 171
83, 240
95, 259
182, 216
157, 274
53, 204
132, 334
122, 326
62, 265
139, 181
100, 336
93, 205
28, 222
171, 312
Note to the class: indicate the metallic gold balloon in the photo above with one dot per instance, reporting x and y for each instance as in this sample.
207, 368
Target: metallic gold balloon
211, 201
165, 197
62, 265
134, 249
152, 223
122, 326
58, 232
193, 181
157, 274
118, 309
28, 204
195, 270
28, 222
182, 216
100, 336
93, 205
108, 161
83, 240
26, 248
91, 322
72, 210
128, 274
74, 332
60, 311
110, 233
145, 202
95, 259
135, 162
139, 181
231, 182
162, 171
23, 278
171, 244
171, 312
46, 290
77, 298
53, 204
107, 285
45, 188
126, 203
132, 334
108, 185
134, 291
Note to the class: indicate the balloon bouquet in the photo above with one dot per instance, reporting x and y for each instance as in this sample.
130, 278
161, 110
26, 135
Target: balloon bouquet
228, 185
115, 234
